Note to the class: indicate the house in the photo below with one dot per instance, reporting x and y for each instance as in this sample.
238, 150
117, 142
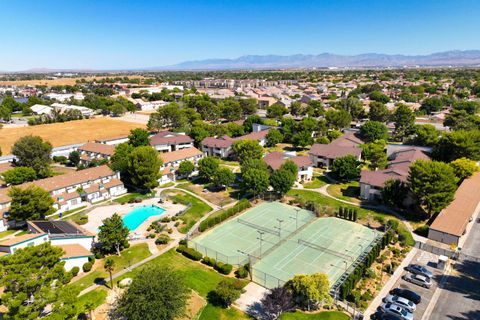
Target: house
398, 166
323, 155
113, 141
149, 105
174, 158
62, 232
41, 109
167, 141
222, 146
72, 190
305, 169
71, 238
95, 151
60, 107
451, 223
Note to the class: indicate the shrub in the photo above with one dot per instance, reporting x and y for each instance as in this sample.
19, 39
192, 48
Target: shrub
226, 293
241, 272
177, 224
223, 268
165, 219
190, 253
393, 224
208, 261
162, 239
151, 235
224, 215
92, 260
75, 270
87, 267
170, 230
183, 242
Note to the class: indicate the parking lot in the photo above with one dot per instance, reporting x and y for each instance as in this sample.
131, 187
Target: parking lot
430, 261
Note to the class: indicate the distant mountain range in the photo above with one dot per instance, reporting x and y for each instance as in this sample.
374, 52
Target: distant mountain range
328, 60
455, 58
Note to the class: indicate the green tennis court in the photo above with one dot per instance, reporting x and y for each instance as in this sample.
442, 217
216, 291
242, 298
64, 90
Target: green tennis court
231, 241
281, 241
329, 245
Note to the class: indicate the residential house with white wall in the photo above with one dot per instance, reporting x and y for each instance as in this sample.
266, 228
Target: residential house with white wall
323, 155
166, 141
305, 166
92, 151
171, 162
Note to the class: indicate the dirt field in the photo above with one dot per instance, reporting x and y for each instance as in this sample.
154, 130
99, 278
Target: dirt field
60, 134
56, 82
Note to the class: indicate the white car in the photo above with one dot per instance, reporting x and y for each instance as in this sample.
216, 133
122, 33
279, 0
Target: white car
390, 308
402, 302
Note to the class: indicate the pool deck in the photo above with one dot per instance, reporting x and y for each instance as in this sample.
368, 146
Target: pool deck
96, 216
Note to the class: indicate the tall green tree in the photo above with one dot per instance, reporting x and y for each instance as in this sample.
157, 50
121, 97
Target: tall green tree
31, 279
113, 235
185, 168
138, 137
30, 203
425, 135
458, 144
255, 180
302, 139
394, 192
33, 152
374, 130
119, 161
208, 167
109, 266
223, 177
404, 120
273, 137
155, 294
282, 180
374, 152
338, 119
247, 149
433, 184
276, 110
74, 158
464, 168
378, 112
18, 175
310, 290
250, 121
143, 167
346, 168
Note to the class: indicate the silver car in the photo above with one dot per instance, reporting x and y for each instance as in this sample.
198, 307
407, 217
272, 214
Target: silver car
390, 308
418, 279
418, 269
402, 302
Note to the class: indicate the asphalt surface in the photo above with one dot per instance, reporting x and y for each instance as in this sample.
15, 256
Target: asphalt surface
460, 297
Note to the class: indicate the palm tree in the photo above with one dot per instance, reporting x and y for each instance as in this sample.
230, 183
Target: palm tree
109, 265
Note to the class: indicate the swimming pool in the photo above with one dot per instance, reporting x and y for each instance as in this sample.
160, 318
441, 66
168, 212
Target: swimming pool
138, 215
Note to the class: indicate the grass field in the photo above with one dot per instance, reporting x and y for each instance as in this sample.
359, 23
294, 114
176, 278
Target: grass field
197, 277
316, 182
349, 191
194, 213
60, 134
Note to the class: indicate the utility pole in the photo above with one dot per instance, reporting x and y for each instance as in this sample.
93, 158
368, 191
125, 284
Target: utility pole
279, 227
260, 233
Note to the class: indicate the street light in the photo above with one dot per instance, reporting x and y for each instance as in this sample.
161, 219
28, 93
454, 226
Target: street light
260, 233
279, 227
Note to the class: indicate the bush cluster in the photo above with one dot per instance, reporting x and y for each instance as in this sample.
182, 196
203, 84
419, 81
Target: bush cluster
223, 268
75, 270
241, 272
224, 215
162, 239
347, 213
87, 266
189, 253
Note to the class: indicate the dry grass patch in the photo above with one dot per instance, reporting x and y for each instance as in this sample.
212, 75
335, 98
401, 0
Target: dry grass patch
194, 305
60, 134
54, 82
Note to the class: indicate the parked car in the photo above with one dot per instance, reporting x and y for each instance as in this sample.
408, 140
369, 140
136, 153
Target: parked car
418, 269
407, 294
390, 308
402, 302
418, 279
380, 315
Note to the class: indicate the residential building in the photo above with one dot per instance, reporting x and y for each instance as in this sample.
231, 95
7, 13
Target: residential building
372, 182
60, 107
305, 167
167, 141
323, 155
171, 161
91, 151
451, 223
72, 190
41, 109
222, 146
9, 246
62, 232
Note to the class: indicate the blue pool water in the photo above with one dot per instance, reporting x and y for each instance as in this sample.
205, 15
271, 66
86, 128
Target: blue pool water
138, 215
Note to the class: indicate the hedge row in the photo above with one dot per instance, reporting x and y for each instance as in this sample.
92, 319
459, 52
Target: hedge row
189, 253
224, 215
347, 213
223, 268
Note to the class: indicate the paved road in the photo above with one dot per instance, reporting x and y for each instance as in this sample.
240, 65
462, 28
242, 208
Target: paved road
460, 297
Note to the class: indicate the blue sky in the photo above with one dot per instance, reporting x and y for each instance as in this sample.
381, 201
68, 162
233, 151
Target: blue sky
106, 34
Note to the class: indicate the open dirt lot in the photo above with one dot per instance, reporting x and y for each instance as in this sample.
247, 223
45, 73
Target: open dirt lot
55, 82
60, 134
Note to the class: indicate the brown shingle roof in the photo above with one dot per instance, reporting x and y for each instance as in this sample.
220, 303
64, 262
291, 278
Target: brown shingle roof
180, 155
347, 144
226, 141
100, 148
275, 159
167, 137
455, 217
24, 237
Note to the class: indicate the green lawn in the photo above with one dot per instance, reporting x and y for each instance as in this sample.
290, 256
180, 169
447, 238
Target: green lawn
132, 196
194, 213
97, 297
349, 191
56, 216
128, 257
317, 182
197, 276
7, 233
325, 315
